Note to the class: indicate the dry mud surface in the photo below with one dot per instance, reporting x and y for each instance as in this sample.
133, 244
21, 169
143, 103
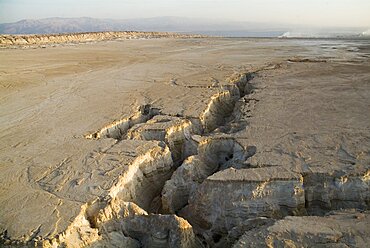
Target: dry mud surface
186, 143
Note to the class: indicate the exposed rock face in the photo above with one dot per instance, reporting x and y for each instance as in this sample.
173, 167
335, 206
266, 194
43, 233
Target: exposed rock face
214, 154
174, 131
341, 229
220, 107
45, 39
118, 129
154, 129
145, 178
124, 224
160, 231
227, 198
183, 183
112, 214
339, 190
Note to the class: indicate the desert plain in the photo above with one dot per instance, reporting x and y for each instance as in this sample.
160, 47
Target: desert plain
186, 142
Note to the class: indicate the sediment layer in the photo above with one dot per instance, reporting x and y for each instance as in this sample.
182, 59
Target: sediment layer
45, 39
339, 229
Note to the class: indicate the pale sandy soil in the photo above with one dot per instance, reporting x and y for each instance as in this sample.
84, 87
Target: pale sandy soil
308, 112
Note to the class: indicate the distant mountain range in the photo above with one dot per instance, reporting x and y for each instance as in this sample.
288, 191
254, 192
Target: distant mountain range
163, 24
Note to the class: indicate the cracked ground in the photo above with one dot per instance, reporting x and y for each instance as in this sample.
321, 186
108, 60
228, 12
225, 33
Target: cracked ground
186, 143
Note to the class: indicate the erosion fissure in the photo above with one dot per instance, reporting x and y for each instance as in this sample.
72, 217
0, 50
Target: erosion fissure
183, 139
194, 166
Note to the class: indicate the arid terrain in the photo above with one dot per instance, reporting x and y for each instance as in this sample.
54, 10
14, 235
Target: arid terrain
197, 142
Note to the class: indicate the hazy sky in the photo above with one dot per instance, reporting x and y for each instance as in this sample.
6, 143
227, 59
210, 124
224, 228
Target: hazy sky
343, 13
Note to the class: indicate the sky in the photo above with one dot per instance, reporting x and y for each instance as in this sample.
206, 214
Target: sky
322, 13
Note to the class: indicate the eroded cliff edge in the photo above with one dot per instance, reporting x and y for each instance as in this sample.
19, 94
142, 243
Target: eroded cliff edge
48, 39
